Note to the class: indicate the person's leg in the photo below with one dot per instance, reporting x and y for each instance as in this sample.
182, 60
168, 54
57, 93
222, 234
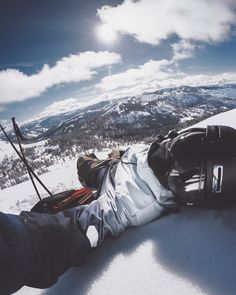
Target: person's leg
17, 259
91, 170
116, 153
35, 249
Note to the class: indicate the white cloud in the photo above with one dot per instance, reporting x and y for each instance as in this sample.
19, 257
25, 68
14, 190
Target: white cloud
62, 106
171, 81
151, 70
151, 21
199, 80
17, 86
148, 77
154, 75
184, 49
68, 105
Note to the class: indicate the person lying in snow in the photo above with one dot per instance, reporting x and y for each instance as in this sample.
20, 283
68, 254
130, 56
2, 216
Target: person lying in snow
193, 168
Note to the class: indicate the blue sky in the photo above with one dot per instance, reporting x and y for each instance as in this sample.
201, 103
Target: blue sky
56, 55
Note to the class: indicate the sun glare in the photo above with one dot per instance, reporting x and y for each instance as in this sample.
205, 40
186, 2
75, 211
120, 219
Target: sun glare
106, 33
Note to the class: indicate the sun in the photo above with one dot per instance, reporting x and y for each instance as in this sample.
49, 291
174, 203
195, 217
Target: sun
106, 33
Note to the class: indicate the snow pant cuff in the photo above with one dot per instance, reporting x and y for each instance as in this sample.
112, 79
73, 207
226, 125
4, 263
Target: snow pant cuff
58, 244
17, 259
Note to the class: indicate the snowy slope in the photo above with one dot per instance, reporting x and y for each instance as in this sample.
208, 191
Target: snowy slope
227, 118
5, 149
164, 107
192, 252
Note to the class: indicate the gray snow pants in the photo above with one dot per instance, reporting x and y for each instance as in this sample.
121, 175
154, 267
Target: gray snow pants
106, 214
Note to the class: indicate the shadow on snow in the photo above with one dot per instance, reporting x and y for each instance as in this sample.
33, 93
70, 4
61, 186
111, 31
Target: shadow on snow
195, 244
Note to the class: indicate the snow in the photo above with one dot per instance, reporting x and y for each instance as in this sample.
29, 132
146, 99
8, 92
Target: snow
227, 118
5, 150
192, 252
225, 92
22, 196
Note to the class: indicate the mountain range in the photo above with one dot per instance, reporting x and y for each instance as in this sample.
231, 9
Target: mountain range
137, 116
113, 123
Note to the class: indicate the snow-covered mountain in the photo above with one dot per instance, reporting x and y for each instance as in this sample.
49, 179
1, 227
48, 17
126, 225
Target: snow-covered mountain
129, 116
111, 123
192, 252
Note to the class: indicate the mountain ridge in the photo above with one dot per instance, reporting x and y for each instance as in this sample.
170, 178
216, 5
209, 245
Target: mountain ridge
171, 106
114, 123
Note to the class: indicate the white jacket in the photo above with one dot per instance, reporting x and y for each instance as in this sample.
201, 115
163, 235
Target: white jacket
134, 198
138, 189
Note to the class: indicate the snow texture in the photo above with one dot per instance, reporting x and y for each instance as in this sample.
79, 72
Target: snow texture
5, 150
227, 118
191, 252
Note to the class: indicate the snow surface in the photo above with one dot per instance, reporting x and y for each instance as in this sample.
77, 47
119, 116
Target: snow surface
5, 150
227, 118
225, 92
192, 252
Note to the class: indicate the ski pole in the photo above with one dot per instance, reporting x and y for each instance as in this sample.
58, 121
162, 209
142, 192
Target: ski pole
19, 137
18, 153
